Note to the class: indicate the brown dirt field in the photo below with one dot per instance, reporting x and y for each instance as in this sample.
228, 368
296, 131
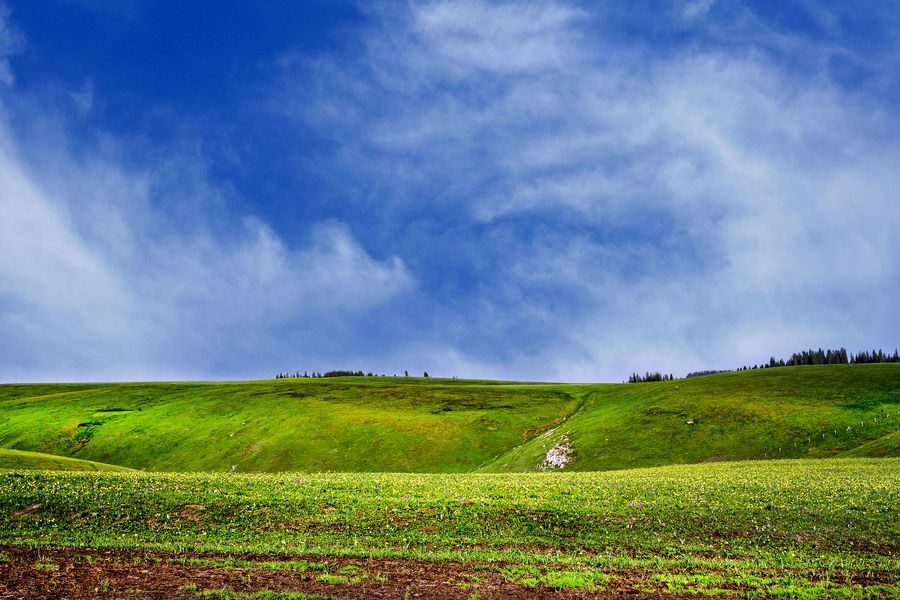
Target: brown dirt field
89, 573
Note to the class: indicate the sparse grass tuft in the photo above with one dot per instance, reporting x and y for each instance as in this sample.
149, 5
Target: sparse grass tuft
226, 594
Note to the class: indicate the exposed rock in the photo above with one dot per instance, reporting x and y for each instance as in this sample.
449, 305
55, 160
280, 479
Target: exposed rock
559, 455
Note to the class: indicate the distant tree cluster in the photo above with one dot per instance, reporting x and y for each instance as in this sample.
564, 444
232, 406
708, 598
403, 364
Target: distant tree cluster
708, 372
816, 357
337, 373
813, 357
316, 374
875, 357
647, 377
835, 357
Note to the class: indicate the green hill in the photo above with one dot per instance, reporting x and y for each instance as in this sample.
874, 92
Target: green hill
791, 412
398, 424
20, 460
335, 424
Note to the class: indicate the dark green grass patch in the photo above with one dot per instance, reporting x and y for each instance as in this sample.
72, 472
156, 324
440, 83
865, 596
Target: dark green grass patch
533, 576
294, 566
749, 585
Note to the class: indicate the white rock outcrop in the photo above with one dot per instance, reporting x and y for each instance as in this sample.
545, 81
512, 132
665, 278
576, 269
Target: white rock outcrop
559, 455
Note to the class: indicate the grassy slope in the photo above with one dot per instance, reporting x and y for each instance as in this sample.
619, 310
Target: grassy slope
382, 424
453, 426
794, 412
35, 461
887, 445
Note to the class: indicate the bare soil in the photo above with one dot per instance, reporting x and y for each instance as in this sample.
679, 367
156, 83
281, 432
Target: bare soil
90, 573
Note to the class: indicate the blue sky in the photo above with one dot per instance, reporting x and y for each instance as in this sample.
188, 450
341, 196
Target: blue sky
543, 190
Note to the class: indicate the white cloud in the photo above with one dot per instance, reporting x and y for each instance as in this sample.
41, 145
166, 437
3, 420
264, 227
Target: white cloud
476, 35
98, 281
756, 200
110, 271
44, 262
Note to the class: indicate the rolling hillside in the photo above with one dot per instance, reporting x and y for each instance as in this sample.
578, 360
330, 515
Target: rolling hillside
337, 424
20, 460
791, 412
396, 424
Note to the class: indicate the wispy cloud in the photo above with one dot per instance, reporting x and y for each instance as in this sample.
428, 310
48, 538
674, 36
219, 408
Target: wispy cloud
121, 269
719, 204
98, 285
696, 8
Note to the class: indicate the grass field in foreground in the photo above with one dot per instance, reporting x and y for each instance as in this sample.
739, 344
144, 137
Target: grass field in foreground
814, 521
415, 425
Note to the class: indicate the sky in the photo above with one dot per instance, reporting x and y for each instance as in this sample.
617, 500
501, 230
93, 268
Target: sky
533, 190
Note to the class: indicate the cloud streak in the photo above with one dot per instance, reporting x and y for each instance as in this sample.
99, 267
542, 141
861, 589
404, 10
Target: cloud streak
708, 205
111, 271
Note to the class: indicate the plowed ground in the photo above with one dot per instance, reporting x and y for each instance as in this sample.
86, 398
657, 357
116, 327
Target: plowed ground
75, 573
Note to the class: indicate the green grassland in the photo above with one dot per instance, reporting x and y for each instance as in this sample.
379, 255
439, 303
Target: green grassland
792, 412
415, 425
676, 487
766, 524
21, 460
799, 507
354, 424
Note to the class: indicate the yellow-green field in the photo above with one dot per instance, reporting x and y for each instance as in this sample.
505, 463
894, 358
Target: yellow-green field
805, 528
